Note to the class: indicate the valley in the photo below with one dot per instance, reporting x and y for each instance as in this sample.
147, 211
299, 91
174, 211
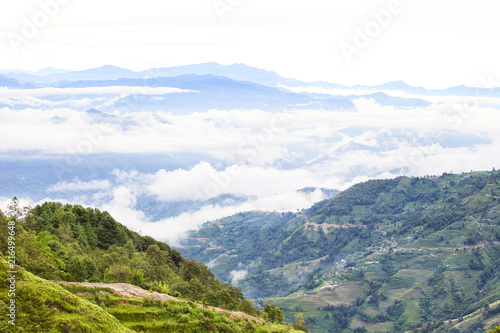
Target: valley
388, 255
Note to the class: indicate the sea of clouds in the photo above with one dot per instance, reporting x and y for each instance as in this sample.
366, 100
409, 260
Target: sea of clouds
263, 158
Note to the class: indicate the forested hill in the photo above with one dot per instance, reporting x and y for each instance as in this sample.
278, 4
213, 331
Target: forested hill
73, 243
388, 255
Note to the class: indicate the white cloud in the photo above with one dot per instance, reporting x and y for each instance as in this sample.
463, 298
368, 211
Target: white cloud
262, 156
211, 264
122, 207
237, 276
78, 185
331, 91
238, 136
23, 202
203, 182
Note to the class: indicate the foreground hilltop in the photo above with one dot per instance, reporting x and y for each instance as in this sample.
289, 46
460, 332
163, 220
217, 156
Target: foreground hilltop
72, 244
396, 255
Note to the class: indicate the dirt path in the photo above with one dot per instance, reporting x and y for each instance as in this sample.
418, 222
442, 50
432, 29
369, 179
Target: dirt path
123, 289
129, 290
325, 226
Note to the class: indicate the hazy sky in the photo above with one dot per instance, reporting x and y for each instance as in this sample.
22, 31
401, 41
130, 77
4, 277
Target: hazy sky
431, 43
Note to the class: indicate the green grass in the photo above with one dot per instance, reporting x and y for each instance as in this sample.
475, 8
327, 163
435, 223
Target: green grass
372, 327
395, 282
412, 311
43, 306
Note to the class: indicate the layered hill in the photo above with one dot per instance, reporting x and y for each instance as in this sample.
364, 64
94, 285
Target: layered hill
132, 282
402, 254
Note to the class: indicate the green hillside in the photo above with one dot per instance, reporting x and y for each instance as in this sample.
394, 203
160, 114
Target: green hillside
71, 243
396, 255
43, 306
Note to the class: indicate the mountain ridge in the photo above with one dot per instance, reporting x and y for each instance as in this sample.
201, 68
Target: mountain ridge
427, 246
237, 71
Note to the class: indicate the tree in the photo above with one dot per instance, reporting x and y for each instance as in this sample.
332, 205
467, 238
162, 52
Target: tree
495, 330
274, 313
138, 277
300, 322
4, 233
191, 269
157, 263
247, 307
118, 273
33, 256
15, 212
73, 243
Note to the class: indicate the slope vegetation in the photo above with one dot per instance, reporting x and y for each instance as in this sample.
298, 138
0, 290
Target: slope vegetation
43, 306
384, 255
110, 279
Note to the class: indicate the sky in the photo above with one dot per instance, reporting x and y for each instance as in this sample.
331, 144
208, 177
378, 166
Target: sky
435, 44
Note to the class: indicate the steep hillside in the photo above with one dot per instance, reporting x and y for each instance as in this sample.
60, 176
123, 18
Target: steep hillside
72, 243
399, 254
43, 306
142, 311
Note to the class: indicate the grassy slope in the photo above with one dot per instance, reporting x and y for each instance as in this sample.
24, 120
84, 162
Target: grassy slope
43, 306
73, 243
153, 315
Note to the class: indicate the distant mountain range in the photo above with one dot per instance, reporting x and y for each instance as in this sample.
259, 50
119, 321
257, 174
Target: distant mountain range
209, 92
10, 82
239, 72
215, 86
